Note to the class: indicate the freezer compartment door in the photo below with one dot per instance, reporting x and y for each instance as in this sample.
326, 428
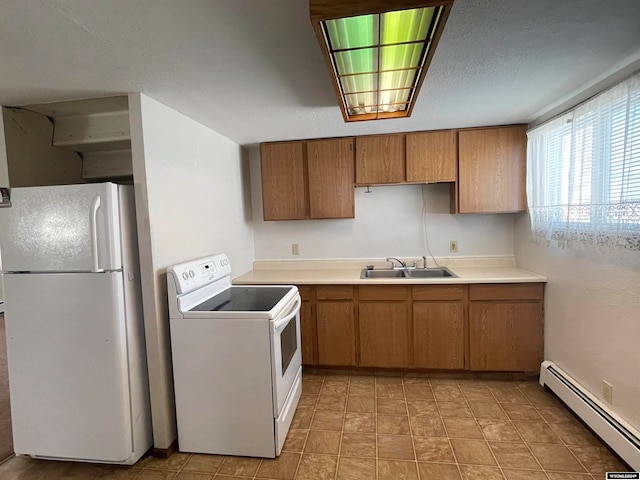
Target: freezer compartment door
61, 228
67, 359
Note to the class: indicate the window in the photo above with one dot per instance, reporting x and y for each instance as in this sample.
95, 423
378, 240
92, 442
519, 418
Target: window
583, 172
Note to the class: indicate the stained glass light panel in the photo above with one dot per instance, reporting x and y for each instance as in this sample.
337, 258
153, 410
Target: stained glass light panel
378, 58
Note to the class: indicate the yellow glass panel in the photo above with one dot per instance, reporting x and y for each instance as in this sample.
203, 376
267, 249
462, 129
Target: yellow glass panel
406, 25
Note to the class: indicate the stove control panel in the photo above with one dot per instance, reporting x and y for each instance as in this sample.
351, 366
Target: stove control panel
199, 272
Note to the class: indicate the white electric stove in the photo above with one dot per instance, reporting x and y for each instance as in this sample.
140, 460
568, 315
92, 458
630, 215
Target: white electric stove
236, 360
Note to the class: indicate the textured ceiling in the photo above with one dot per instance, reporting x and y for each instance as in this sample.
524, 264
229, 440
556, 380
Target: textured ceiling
252, 71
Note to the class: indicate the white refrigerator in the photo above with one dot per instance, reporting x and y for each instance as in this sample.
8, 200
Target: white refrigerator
78, 378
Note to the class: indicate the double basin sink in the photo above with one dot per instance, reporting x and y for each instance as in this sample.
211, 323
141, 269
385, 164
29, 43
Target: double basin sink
440, 272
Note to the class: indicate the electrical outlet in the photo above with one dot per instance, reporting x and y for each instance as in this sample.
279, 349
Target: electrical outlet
453, 246
607, 392
295, 249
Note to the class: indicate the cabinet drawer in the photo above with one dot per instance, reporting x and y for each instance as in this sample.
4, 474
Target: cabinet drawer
438, 292
334, 292
306, 292
506, 291
383, 292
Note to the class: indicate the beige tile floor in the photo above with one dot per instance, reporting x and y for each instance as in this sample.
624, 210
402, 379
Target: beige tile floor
355, 426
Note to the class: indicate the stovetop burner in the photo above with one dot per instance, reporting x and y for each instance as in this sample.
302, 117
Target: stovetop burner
243, 299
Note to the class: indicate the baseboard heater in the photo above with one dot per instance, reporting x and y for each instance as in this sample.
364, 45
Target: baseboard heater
617, 433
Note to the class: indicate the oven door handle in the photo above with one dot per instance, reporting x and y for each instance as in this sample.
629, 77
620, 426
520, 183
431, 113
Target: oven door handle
283, 321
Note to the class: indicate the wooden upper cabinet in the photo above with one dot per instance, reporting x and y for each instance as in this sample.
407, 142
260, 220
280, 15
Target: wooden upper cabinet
380, 159
312, 179
432, 156
331, 176
492, 164
284, 185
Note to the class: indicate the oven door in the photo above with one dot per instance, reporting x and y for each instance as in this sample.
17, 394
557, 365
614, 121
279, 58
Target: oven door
285, 350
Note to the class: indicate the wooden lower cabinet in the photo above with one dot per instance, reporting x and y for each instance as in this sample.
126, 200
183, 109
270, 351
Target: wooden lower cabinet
438, 335
479, 327
335, 319
308, 326
384, 334
505, 336
506, 327
336, 333
439, 326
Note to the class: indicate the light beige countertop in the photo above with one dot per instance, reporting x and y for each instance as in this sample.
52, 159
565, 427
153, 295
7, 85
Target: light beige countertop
347, 271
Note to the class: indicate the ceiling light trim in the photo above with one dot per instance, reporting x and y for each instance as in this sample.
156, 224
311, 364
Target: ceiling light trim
348, 85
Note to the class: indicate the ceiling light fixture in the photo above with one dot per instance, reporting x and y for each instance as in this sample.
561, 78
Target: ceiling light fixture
378, 58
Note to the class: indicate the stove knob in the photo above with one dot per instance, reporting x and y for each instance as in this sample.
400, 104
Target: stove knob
185, 276
191, 273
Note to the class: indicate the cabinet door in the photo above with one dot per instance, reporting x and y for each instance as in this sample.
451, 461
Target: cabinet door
331, 176
432, 156
438, 335
307, 333
380, 159
284, 195
384, 335
492, 170
336, 333
505, 336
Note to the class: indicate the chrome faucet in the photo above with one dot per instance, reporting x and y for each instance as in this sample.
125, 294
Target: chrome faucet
391, 259
424, 262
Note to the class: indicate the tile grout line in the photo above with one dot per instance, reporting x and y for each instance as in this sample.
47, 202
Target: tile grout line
375, 417
435, 399
344, 412
482, 431
526, 442
453, 452
514, 428
413, 443
304, 446
563, 443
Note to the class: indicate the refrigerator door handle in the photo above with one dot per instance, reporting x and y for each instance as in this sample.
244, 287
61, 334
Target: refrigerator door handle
95, 205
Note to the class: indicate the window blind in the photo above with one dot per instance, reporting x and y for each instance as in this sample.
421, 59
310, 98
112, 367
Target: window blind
583, 172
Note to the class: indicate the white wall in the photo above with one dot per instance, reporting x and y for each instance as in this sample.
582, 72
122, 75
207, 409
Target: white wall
4, 166
592, 317
192, 199
388, 222
32, 160
4, 177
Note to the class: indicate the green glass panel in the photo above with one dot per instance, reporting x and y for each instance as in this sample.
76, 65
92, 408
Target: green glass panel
363, 66
401, 56
353, 32
406, 25
359, 83
364, 60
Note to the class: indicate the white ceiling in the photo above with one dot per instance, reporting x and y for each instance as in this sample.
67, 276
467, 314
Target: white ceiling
252, 70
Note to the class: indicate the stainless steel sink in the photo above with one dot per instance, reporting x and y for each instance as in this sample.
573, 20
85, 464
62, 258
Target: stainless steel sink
429, 273
408, 273
383, 273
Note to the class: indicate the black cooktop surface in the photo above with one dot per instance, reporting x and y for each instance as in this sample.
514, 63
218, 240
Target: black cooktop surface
243, 299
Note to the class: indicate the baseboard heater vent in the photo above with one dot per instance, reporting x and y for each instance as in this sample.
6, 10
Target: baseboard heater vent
617, 433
